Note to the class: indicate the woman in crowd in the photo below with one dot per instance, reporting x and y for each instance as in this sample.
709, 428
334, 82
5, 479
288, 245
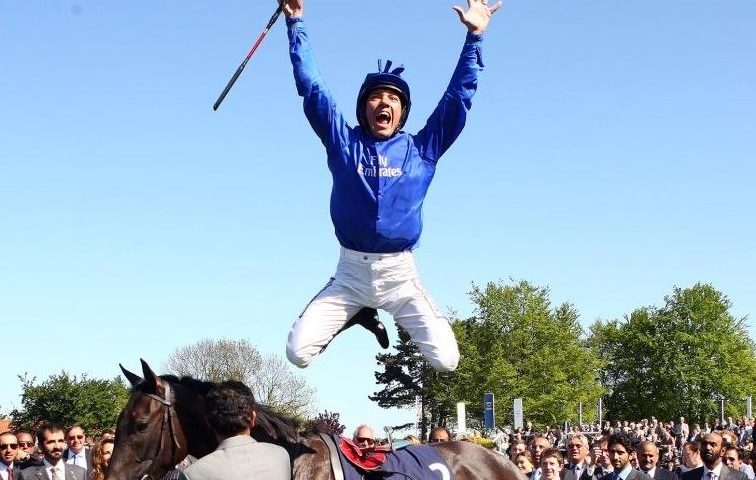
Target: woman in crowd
101, 458
522, 460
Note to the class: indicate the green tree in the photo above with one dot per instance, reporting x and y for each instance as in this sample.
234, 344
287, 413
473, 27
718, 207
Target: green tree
518, 345
64, 399
409, 382
676, 359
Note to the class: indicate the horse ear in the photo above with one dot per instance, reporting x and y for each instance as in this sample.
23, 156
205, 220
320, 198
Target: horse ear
131, 377
149, 375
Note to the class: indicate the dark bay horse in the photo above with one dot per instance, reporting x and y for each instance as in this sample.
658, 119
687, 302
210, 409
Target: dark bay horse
164, 420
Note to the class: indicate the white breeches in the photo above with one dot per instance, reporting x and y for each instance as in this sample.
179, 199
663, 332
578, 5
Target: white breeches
388, 281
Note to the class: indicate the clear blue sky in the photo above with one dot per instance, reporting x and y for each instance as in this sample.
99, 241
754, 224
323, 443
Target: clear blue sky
610, 155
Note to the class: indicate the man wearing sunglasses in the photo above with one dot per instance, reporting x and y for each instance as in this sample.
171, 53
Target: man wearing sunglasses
8, 449
364, 436
77, 452
25, 456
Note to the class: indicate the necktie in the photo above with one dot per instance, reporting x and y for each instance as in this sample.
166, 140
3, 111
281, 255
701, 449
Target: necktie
55, 473
10, 473
713, 476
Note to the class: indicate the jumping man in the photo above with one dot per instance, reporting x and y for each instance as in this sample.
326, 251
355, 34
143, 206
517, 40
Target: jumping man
380, 177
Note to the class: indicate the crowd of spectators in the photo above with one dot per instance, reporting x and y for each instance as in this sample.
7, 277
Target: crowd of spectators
54, 452
675, 447
666, 449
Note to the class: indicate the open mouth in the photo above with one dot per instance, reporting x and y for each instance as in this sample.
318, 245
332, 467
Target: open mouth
383, 118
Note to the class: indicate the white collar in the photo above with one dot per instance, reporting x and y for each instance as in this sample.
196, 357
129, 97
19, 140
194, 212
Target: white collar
717, 471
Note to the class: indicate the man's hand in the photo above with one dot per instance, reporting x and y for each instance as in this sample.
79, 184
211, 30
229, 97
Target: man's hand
292, 8
477, 16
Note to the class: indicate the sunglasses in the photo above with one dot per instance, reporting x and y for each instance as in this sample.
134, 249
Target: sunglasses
74, 437
365, 439
12, 446
25, 444
437, 440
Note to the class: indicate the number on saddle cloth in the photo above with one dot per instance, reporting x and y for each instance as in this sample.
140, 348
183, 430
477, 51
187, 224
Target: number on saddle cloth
406, 462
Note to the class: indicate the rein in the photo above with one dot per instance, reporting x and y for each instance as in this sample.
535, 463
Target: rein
168, 414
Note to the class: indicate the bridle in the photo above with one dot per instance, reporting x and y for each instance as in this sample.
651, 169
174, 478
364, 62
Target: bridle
168, 414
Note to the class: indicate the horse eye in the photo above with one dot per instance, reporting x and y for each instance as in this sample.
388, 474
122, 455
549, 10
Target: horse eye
141, 426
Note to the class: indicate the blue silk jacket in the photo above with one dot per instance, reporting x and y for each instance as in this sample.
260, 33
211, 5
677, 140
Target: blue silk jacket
379, 185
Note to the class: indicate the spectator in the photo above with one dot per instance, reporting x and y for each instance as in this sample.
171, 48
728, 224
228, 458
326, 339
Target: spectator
439, 434
713, 468
52, 441
538, 444
413, 440
101, 458
230, 409
551, 464
620, 451
8, 451
518, 447
577, 451
691, 457
77, 452
25, 456
733, 458
364, 436
522, 460
648, 459
602, 466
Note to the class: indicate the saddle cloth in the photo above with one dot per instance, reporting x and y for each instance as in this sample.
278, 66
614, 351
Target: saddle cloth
416, 462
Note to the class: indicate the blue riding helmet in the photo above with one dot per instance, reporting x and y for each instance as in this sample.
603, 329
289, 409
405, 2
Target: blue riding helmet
385, 78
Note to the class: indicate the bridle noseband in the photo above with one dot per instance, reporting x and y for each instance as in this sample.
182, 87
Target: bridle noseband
168, 414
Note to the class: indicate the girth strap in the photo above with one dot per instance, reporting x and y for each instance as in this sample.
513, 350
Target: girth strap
338, 472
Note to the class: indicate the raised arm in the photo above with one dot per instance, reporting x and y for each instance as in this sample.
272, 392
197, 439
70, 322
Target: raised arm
321, 111
448, 119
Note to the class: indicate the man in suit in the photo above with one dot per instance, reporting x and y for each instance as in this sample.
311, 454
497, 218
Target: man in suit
25, 456
648, 459
77, 452
538, 444
52, 441
577, 451
691, 457
733, 458
8, 451
230, 408
620, 450
713, 468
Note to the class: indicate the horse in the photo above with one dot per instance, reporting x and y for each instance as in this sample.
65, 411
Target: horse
164, 421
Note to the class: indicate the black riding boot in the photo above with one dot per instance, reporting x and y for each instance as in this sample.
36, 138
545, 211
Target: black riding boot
368, 319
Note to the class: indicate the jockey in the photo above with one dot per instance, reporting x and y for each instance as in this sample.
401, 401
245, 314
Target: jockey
380, 178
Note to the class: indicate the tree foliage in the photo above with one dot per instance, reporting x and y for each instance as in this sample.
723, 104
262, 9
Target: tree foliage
676, 359
64, 399
326, 422
268, 376
410, 382
517, 345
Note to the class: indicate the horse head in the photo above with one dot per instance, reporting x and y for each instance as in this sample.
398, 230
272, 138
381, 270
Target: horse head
156, 429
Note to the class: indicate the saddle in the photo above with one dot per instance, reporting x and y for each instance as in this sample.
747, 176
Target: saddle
386, 462
365, 458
